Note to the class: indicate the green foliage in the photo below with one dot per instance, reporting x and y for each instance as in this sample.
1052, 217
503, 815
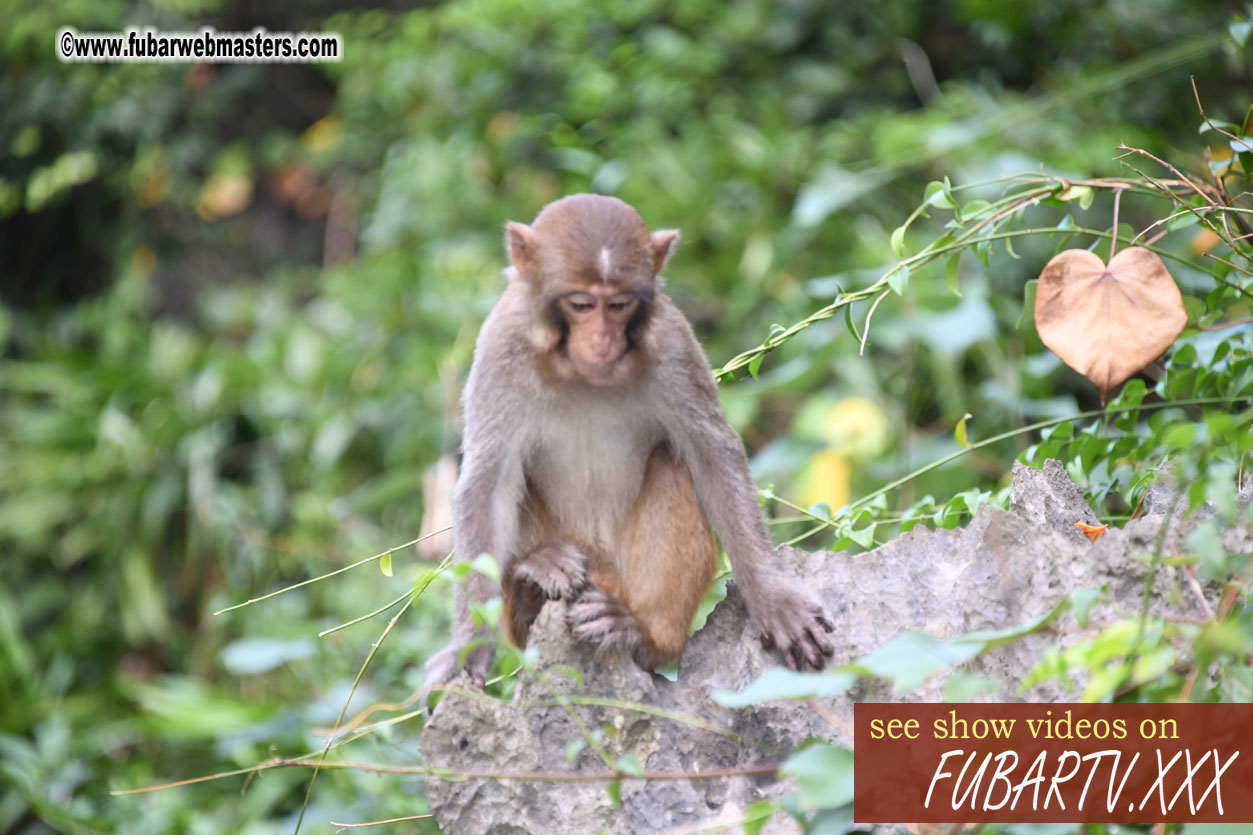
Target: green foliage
236, 302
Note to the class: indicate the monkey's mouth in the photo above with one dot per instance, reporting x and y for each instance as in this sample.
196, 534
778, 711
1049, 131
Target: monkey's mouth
605, 372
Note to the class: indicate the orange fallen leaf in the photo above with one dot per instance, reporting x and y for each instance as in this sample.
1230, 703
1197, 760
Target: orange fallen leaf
1092, 532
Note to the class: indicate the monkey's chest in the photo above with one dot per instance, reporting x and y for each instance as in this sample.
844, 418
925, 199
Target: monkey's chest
588, 467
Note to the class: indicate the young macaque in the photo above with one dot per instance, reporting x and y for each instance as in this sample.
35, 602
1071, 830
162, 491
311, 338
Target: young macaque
596, 455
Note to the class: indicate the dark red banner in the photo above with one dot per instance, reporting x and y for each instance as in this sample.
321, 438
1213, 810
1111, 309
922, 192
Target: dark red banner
1053, 763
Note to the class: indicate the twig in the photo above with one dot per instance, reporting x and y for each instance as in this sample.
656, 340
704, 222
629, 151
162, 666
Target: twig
1113, 238
303, 583
1234, 323
1200, 595
343, 826
1206, 119
865, 334
458, 774
1186, 181
1228, 263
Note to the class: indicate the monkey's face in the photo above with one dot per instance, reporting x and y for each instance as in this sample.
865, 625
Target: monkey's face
590, 266
598, 323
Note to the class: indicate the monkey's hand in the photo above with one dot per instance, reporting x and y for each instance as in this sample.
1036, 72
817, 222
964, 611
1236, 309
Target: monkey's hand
558, 571
791, 619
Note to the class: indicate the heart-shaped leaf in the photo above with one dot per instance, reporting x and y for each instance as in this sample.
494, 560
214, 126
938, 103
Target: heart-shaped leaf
1108, 322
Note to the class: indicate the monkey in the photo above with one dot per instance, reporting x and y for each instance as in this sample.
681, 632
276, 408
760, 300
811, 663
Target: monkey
597, 461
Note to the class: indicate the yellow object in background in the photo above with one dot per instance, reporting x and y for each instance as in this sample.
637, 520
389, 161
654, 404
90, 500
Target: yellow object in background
826, 478
853, 429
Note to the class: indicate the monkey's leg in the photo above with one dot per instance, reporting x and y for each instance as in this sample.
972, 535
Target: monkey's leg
549, 572
665, 564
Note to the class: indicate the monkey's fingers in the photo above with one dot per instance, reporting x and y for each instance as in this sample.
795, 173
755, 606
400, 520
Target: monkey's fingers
814, 651
817, 640
795, 660
559, 571
603, 621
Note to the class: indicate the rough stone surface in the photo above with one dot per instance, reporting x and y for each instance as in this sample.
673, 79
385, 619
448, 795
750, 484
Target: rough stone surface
1001, 570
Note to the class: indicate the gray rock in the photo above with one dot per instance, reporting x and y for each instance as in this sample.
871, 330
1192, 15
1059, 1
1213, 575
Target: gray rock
1001, 570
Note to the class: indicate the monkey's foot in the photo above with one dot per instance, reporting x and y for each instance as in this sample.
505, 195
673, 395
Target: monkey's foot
558, 571
797, 624
602, 620
443, 666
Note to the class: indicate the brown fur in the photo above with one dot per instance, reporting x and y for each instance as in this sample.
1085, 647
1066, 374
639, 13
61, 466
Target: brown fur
596, 456
659, 568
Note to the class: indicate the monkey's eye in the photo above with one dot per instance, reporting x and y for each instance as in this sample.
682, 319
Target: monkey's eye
621, 304
580, 303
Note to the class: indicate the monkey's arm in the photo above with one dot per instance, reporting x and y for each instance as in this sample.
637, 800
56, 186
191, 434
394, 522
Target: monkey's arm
789, 616
488, 494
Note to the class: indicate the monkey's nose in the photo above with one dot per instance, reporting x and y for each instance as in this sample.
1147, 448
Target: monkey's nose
603, 347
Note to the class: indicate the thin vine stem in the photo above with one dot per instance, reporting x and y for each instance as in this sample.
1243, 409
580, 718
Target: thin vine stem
834, 523
330, 574
996, 212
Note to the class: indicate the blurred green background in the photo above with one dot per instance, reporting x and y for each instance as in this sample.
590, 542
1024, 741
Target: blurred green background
237, 302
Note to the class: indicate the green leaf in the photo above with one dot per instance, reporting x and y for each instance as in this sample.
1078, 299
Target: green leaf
983, 249
575, 746
1217, 124
820, 509
824, 775
1131, 396
1239, 31
615, 793
630, 764
1205, 542
1066, 223
758, 815
864, 536
754, 364
1179, 435
898, 279
993, 638
1083, 194
965, 687
952, 275
385, 564
939, 195
897, 241
1063, 431
848, 322
1083, 600
486, 565
782, 683
975, 209
911, 657
1217, 167
959, 434
1028, 303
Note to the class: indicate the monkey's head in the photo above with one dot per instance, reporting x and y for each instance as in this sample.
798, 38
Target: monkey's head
591, 266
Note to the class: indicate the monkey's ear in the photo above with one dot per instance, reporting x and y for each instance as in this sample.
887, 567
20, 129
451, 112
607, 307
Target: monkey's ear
521, 244
663, 243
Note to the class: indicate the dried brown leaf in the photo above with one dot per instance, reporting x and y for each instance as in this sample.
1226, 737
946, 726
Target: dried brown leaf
1108, 322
